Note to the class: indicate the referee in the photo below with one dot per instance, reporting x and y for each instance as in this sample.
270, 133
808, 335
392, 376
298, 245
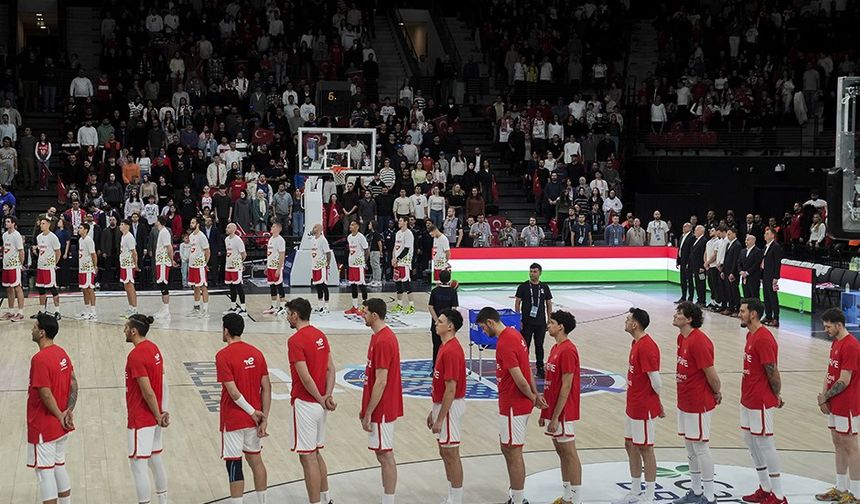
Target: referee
442, 297
533, 302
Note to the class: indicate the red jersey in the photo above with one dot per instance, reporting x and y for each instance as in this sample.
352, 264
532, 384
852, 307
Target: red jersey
450, 365
844, 354
695, 353
308, 345
244, 365
761, 349
143, 360
383, 353
563, 359
643, 402
51, 367
511, 352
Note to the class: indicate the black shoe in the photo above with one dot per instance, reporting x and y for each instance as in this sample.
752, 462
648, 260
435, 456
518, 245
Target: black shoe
35, 315
680, 300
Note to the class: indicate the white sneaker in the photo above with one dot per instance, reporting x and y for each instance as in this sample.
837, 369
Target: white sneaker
126, 314
270, 310
232, 309
194, 313
80, 316
204, 314
243, 312
631, 498
324, 311
162, 314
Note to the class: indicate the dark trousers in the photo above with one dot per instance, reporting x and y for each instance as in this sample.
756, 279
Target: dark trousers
732, 299
686, 282
536, 332
699, 281
771, 300
437, 343
715, 284
752, 287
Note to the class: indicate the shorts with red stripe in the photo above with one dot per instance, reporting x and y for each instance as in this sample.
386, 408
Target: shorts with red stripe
144, 442
274, 276
640, 432
355, 275
235, 443
162, 273
381, 437
450, 435
12, 277
46, 278
436, 274
848, 425
126, 275
307, 428
512, 429
47, 455
197, 277
758, 421
564, 432
319, 276
87, 280
402, 273
233, 277
695, 426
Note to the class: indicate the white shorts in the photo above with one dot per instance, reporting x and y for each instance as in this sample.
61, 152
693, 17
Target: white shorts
450, 436
47, 455
694, 426
564, 433
512, 429
758, 421
236, 442
307, 429
843, 424
381, 437
639, 432
144, 442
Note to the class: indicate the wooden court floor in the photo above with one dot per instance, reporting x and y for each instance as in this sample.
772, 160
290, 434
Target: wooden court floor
98, 466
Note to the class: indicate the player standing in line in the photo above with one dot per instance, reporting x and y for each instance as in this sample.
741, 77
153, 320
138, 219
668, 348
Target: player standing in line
13, 261
48, 247
51, 398
163, 262
128, 266
313, 374
276, 251
401, 260
449, 400
382, 397
698, 395
518, 395
839, 400
441, 251
562, 390
320, 260
359, 256
234, 265
146, 397
643, 407
246, 396
87, 266
198, 273
760, 388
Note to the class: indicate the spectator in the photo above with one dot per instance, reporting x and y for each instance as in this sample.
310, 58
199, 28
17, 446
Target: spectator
282, 206
8, 129
243, 214
8, 162
81, 87
658, 231
614, 234
480, 232
508, 235
817, 232
658, 115
475, 204
452, 228
636, 236
532, 235
581, 232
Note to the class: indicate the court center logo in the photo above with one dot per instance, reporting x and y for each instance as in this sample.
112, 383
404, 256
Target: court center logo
609, 481
417, 378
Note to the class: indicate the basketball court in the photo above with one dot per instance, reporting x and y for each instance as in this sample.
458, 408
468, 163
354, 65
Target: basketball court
99, 469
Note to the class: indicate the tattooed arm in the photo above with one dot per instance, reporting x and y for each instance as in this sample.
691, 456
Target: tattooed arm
841, 384
774, 380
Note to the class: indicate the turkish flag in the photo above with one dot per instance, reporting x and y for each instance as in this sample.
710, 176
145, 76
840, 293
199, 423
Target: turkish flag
263, 136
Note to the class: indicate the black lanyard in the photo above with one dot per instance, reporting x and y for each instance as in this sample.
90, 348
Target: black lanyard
535, 304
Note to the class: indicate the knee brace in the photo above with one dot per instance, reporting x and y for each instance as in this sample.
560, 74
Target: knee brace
47, 484
234, 470
363, 292
408, 286
280, 288
54, 291
42, 291
354, 289
165, 291
399, 286
273, 290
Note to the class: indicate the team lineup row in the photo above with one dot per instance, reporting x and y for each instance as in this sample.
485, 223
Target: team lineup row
246, 400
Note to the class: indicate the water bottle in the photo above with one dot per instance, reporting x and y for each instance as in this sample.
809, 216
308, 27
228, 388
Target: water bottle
847, 287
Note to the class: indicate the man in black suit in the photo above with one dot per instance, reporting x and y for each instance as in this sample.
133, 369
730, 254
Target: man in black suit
751, 227
751, 268
771, 263
216, 250
697, 264
682, 262
731, 273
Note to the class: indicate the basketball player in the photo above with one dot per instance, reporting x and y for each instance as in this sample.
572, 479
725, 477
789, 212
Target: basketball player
643, 407
163, 262
760, 388
698, 395
441, 251
320, 259
146, 397
128, 266
517, 396
313, 373
246, 396
561, 390
234, 265
13, 261
404, 247
197, 270
382, 397
87, 266
276, 251
359, 256
839, 401
449, 400
48, 247
51, 399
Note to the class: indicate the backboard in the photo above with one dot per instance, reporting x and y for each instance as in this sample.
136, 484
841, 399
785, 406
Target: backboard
322, 148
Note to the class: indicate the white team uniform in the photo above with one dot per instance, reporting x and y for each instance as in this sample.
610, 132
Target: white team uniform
126, 258
319, 260
234, 248
357, 249
307, 428
13, 244
441, 247
274, 268
403, 240
163, 258
46, 274
450, 435
86, 268
197, 260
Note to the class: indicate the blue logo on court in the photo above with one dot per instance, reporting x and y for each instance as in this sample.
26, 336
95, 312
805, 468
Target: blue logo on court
417, 379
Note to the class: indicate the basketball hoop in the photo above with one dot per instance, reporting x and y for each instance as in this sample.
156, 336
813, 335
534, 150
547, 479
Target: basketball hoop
339, 174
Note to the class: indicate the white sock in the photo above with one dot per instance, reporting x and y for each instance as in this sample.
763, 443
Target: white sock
140, 473
165, 307
197, 305
93, 309
388, 499
576, 494
47, 484
565, 494
235, 500
842, 482
649, 490
708, 487
636, 484
162, 498
412, 304
324, 496
854, 486
696, 483
517, 496
776, 485
355, 303
65, 500
205, 306
261, 497
456, 495
242, 306
763, 479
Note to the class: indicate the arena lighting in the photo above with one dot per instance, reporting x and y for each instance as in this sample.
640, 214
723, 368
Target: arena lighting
779, 168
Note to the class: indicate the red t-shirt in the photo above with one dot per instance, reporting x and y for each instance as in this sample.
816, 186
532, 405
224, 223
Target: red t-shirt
51, 367
450, 365
643, 402
844, 354
695, 353
383, 353
308, 345
511, 352
563, 359
143, 360
761, 349
244, 365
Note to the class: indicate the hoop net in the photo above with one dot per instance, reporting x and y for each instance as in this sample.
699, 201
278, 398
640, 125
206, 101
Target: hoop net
339, 174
